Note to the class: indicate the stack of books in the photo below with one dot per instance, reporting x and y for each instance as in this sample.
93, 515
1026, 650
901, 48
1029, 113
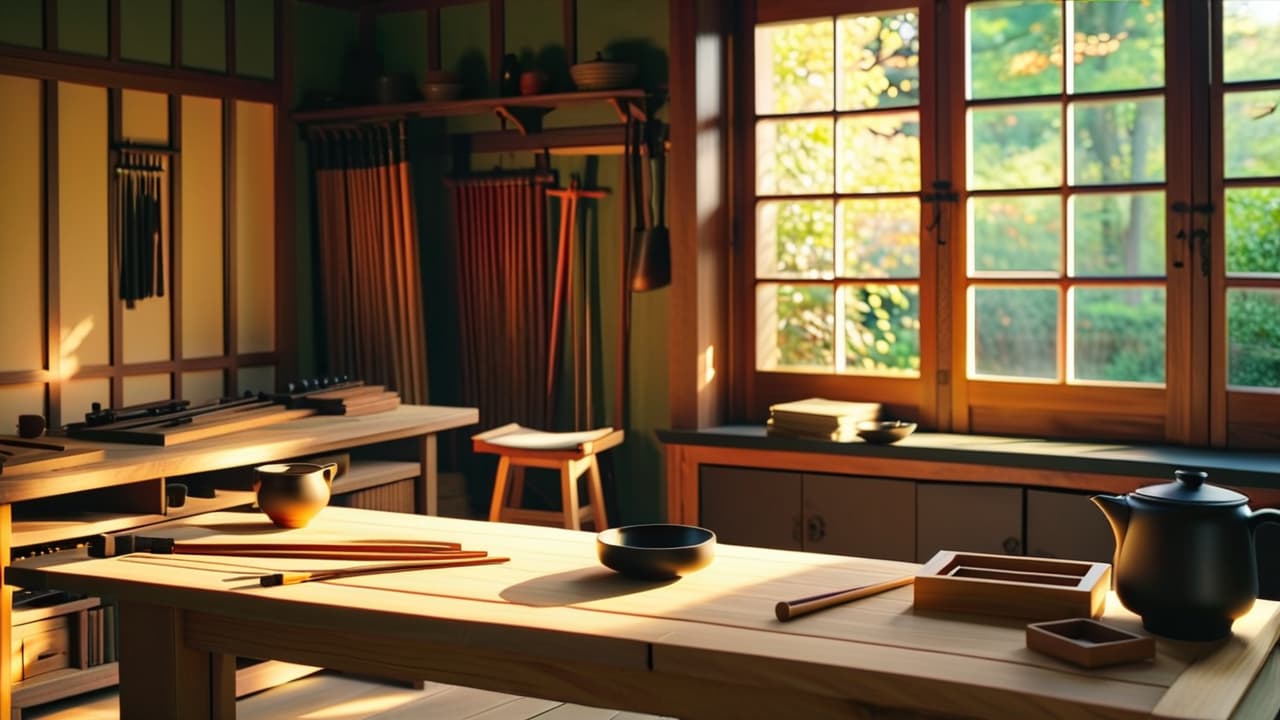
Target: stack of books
820, 418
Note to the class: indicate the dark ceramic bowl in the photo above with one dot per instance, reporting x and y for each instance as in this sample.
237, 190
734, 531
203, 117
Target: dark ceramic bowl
883, 432
656, 552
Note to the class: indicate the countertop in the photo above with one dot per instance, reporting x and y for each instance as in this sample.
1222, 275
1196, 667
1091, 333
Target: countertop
1242, 468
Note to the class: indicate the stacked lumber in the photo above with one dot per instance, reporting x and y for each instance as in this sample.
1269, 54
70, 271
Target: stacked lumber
820, 418
355, 400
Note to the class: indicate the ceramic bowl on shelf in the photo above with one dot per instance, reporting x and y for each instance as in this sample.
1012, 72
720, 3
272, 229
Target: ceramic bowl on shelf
884, 432
656, 552
601, 74
441, 85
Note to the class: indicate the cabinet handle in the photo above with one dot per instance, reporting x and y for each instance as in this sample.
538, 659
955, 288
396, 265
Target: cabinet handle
1012, 545
817, 528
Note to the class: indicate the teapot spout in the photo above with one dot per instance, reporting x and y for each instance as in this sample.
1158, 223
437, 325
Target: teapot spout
1116, 508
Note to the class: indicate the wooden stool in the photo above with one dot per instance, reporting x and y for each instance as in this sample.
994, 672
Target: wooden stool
571, 453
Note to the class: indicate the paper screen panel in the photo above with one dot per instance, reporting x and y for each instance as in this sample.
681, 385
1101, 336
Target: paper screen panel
256, 379
22, 23
78, 397
84, 297
204, 34
18, 400
82, 26
146, 388
145, 119
20, 193
203, 386
255, 227
145, 30
201, 235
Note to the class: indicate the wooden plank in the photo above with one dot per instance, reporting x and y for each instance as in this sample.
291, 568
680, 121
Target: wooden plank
17, 460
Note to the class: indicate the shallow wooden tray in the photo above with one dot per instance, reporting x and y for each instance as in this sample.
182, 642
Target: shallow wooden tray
1011, 586
1089, 643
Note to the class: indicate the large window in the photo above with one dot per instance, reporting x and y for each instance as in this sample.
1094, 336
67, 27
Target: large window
1078, 280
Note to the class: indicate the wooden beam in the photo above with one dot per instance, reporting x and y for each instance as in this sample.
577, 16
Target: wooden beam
115, 327
30, 62
569, 16
229, 8
113, 30
175, 241
286, 346
52, 254
497, 40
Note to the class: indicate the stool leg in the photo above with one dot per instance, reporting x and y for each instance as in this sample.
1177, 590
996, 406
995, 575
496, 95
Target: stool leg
596, 492
569, 495
499, 489
517, 485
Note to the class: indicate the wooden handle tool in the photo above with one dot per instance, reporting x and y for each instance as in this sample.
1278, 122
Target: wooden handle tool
293, 578
789, 609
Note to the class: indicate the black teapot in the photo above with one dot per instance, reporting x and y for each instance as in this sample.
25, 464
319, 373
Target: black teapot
1185, 558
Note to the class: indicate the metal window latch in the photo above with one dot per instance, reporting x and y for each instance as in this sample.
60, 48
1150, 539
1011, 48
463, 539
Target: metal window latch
942, 192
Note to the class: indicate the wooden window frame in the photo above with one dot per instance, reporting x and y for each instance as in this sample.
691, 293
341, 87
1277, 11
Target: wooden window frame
1194, 407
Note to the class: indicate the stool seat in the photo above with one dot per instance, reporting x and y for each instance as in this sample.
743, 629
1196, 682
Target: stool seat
572, 453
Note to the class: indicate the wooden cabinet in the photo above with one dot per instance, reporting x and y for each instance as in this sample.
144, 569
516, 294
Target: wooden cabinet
960, 516
837, 514
743, 506
1067, 525
867, 517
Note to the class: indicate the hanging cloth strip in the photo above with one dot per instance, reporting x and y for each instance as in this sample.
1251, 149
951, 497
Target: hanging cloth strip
139, 232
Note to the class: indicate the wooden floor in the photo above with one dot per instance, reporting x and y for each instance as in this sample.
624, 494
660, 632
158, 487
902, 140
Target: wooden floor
329, 696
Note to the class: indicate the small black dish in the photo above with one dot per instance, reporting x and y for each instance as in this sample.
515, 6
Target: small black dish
884, 432
656, 552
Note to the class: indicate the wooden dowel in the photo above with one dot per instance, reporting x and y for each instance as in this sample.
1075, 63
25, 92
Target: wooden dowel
381, 546
790, 609
293, 578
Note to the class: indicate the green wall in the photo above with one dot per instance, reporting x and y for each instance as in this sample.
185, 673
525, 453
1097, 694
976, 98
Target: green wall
621, 29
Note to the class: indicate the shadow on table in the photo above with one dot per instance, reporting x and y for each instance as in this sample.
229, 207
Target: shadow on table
576, 586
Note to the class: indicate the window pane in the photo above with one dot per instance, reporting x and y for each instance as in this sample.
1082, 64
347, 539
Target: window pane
1253, 230
1016, 233
1251, 133
1015, 49
1016, 332
1119, 334
1015, 147
1118, 234
879, 61
1118, 142
795, 67
1253, 338
1250, 40
1118, 45
880, 237
882, 329
795, 327
879, 153
795, 239
794, 157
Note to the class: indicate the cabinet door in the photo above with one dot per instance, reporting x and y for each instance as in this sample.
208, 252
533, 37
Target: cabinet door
751, 507
976, 518
867, 517
1067, 525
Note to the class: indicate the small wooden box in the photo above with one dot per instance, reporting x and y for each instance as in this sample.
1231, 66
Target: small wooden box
1089, 643
40, 647
1010, 586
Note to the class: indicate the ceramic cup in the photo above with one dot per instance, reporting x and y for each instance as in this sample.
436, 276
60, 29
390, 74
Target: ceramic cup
292, 493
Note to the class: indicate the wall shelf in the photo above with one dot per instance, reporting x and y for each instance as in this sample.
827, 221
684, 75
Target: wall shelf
522, 112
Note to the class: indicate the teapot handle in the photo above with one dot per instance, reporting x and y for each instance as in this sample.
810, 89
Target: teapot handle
1265, 515
330, 470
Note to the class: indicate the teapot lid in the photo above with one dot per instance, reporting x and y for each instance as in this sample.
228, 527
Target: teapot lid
1189, 488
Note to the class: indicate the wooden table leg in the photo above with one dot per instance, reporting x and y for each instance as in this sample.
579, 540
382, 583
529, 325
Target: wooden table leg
427, 494
160, 677
6, 611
